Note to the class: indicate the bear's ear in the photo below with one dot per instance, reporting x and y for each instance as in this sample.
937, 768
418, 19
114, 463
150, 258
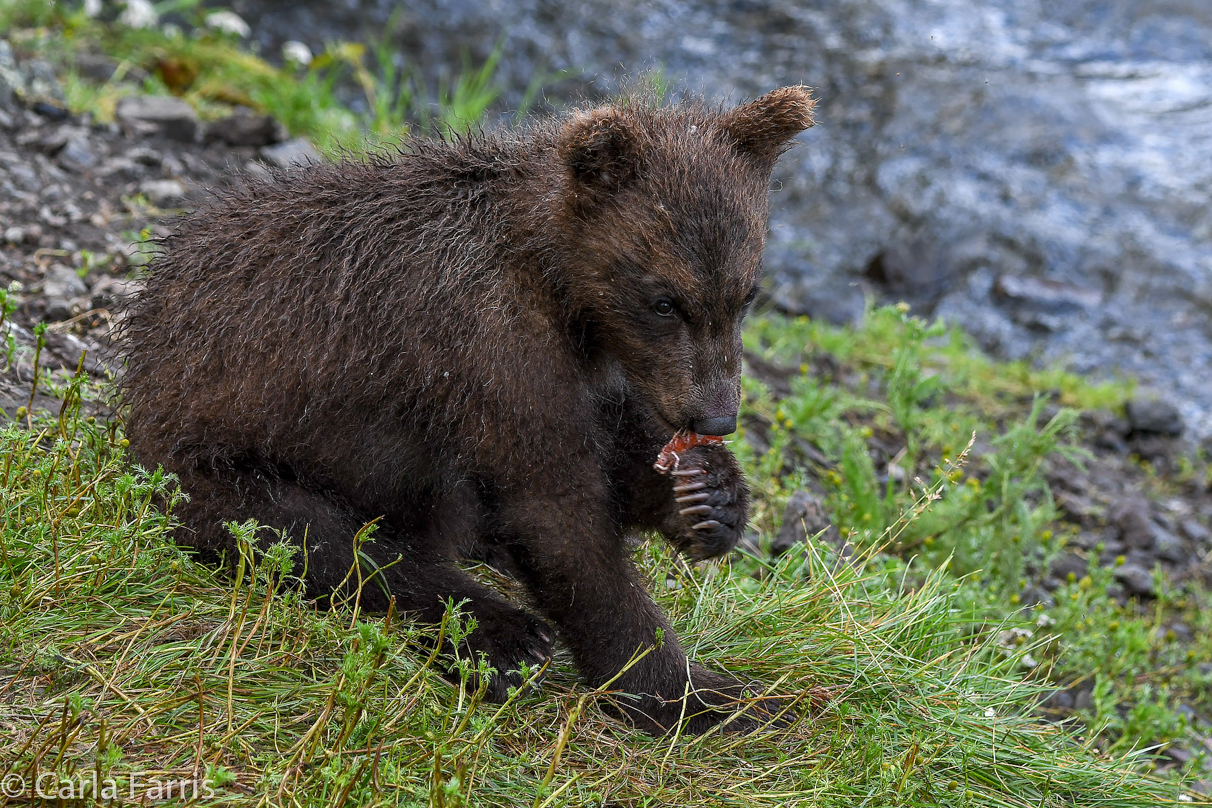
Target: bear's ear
601, 149
763, 128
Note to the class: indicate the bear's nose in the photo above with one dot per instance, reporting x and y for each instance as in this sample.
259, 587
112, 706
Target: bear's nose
723, 425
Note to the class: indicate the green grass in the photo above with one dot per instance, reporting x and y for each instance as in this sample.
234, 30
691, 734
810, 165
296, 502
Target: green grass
121, 655
125, 656
917, 667
214, 72
897, 385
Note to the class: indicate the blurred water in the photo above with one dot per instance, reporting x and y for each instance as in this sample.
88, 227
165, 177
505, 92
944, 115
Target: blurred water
1038, 172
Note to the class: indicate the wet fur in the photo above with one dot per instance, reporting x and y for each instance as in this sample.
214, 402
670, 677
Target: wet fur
461, 341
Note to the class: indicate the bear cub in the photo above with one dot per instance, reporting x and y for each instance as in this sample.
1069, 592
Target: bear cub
483, 343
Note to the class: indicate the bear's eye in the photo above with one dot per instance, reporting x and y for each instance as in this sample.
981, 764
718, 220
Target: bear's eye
749, 298
664, 307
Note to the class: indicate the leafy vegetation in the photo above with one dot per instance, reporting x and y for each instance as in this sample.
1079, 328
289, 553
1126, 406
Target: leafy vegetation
126, 656
349, 97
915, 397
917, 681
920, 661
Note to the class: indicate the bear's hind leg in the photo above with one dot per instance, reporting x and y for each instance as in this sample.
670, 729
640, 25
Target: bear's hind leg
414, 570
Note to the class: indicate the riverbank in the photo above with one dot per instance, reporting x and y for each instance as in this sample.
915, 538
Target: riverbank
1021, 619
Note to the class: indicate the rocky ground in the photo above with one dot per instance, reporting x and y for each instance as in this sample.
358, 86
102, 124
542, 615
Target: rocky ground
81, 205
1035, 172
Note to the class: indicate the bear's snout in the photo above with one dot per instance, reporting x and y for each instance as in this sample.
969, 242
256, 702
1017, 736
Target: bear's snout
719, 412
722, 425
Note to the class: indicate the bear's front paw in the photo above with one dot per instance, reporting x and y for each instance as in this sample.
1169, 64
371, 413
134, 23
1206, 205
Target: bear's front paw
707, 701
712, 502
507, 637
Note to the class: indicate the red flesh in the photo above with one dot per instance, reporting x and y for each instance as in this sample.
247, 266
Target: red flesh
682, 441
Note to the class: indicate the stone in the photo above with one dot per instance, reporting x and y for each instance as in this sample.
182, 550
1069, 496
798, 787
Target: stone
95, 66
157, 114
1042, 294
1059, 700
163, 193
1136, 579
294, 152
14, 235
1196, 532
836, 301
63, 281
804, 517
122, 167
145, 156
1168, 547
1084, 700
11, 80
1069, 563
109, 291
1150, 414
913, 269
76, 155
1131, 517
245, 128
57, 309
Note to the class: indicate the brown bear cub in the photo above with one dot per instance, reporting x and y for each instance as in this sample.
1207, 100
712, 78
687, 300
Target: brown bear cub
483, 343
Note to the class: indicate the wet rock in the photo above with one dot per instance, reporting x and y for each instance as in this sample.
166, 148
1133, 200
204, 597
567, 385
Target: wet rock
1042, 303
1152, 415
1059, 700
294, 152
57, 309
121, 167
63, 281
1136, 579
109, 291
164, 193
1069, 564
1038, 594
1168, 547
42, 86
163, 115
245, 128
833, 300
70, 349
95, 66
76, 155
145, 156
10, 79
1196, 532
804, 517
1155, 448
913, 270
1132, 519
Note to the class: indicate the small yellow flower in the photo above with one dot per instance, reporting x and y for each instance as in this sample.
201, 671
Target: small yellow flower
902, 307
